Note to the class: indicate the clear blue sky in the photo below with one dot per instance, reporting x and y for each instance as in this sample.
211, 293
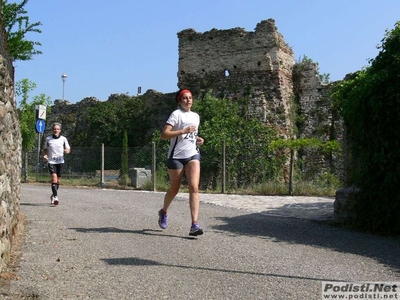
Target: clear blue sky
107, 47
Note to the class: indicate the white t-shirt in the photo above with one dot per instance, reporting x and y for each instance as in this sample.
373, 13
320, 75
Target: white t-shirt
56, 146
185, 145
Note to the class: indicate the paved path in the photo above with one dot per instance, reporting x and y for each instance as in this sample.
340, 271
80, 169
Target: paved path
106, 244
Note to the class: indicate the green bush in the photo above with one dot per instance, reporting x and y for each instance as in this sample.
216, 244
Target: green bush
370, 105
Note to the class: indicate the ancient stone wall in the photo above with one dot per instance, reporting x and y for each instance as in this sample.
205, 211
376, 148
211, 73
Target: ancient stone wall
316, 117
235, 63
10, 153
258, 66
72, 117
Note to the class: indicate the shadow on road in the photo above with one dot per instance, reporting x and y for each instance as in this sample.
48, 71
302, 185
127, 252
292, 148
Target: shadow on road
134, 261
386, 250
37, 204
118, 230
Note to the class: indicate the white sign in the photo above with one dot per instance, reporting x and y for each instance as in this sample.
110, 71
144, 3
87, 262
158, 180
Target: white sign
360, 290
41, 112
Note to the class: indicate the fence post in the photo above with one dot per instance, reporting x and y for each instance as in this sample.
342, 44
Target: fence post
291, 172
223, 167
38, 157
153, 171
25, 166
102, 166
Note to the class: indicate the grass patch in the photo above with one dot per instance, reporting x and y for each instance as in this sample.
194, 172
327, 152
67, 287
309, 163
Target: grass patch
322, 187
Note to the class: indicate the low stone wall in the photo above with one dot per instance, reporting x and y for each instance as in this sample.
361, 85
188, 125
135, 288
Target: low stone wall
344, 211
10, 154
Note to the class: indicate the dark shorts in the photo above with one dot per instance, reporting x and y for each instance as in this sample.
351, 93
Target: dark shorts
55, 169
179, 163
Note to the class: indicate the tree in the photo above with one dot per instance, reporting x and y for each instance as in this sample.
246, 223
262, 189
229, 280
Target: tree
306, 61
27, 112
226, 121
110, 119
14, 15
370, 106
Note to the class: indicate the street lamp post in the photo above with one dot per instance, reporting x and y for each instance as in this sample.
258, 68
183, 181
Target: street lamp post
63, 77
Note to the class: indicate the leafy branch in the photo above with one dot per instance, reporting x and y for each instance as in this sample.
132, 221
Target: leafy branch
17, 26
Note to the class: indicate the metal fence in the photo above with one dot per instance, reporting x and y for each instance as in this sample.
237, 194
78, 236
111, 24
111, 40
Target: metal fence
223, 170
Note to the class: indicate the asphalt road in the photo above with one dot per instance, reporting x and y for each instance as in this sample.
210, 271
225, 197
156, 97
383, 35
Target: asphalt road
106, 244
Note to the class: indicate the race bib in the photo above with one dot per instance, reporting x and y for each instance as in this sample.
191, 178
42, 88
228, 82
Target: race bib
58, 159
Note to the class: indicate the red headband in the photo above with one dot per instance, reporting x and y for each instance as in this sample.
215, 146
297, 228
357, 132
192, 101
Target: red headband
181, 94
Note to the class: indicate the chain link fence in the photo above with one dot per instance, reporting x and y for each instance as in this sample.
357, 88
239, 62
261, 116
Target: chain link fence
223, 170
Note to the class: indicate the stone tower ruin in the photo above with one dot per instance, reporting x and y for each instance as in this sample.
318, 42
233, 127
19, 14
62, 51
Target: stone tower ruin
259, 66
235, 64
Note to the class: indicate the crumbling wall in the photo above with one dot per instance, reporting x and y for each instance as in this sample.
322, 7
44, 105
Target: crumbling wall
237, 64
259, 66
317, 118
10, 153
